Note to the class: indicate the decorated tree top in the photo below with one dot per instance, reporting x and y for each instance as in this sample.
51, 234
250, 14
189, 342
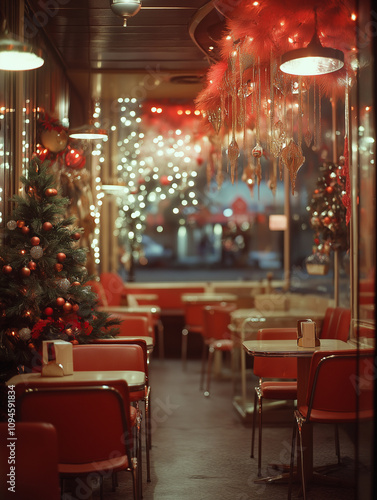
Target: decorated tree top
327, 211
43, 291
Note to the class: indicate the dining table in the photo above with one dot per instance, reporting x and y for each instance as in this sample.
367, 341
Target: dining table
207, 298
135, 379
244, 326
290, 348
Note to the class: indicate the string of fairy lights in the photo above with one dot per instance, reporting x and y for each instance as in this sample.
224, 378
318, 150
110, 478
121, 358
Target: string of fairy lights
98, 158
154, 163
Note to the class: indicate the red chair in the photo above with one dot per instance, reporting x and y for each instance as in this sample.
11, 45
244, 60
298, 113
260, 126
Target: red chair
118, 356
326, 322
147, 395
273, 368
114, 288
194, 323
35, 461
116, 296
338, 325
340, 390
216, 337
134, 325
99, 442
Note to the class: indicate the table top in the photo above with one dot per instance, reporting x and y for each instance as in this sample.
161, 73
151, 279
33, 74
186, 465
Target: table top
131, 309
290, 313
209, 297
134, 379
290, 348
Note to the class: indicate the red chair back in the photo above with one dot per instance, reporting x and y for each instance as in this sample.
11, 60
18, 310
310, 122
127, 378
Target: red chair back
114, 288
276, 367
326, 322
344, 323
341, 382
97, 357
339, 324
217, 321
103, 430
36, 461
124, 341
194, 316
133, 325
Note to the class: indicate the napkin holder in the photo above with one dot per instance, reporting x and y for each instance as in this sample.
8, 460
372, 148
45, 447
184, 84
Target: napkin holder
57, 358
307, 333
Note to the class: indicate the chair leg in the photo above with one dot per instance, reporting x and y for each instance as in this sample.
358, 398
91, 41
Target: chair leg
136, 483
260, 436
147, 438
139, 456
254, 422
184, 348
203, 369
292, 461
302, 460
114, 480
337, 445
209, 369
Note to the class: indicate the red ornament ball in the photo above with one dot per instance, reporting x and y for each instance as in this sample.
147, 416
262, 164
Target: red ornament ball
60, 301
76, 236
41, 152
327, 221
25, 230
7, 269
75, 159
75, 283
316, 241
25, 272
61, 256
49, 311
32, 265
75, 307
257, 151
67, 307
329, 189
58, 267
47, 226
35, 241
20, 223
51, 192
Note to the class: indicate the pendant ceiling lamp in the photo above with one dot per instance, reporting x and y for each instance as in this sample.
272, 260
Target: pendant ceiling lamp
88, 132
314, 59
16, 55
125, 8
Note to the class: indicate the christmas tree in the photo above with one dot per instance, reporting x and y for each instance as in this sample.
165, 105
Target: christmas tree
43, 291
328, 213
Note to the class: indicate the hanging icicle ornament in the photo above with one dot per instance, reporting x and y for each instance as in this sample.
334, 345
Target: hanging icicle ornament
257, 152
214, 118
233, 154
293, 159
278, 138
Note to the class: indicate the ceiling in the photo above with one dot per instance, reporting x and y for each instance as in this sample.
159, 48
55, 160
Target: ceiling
158, 55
